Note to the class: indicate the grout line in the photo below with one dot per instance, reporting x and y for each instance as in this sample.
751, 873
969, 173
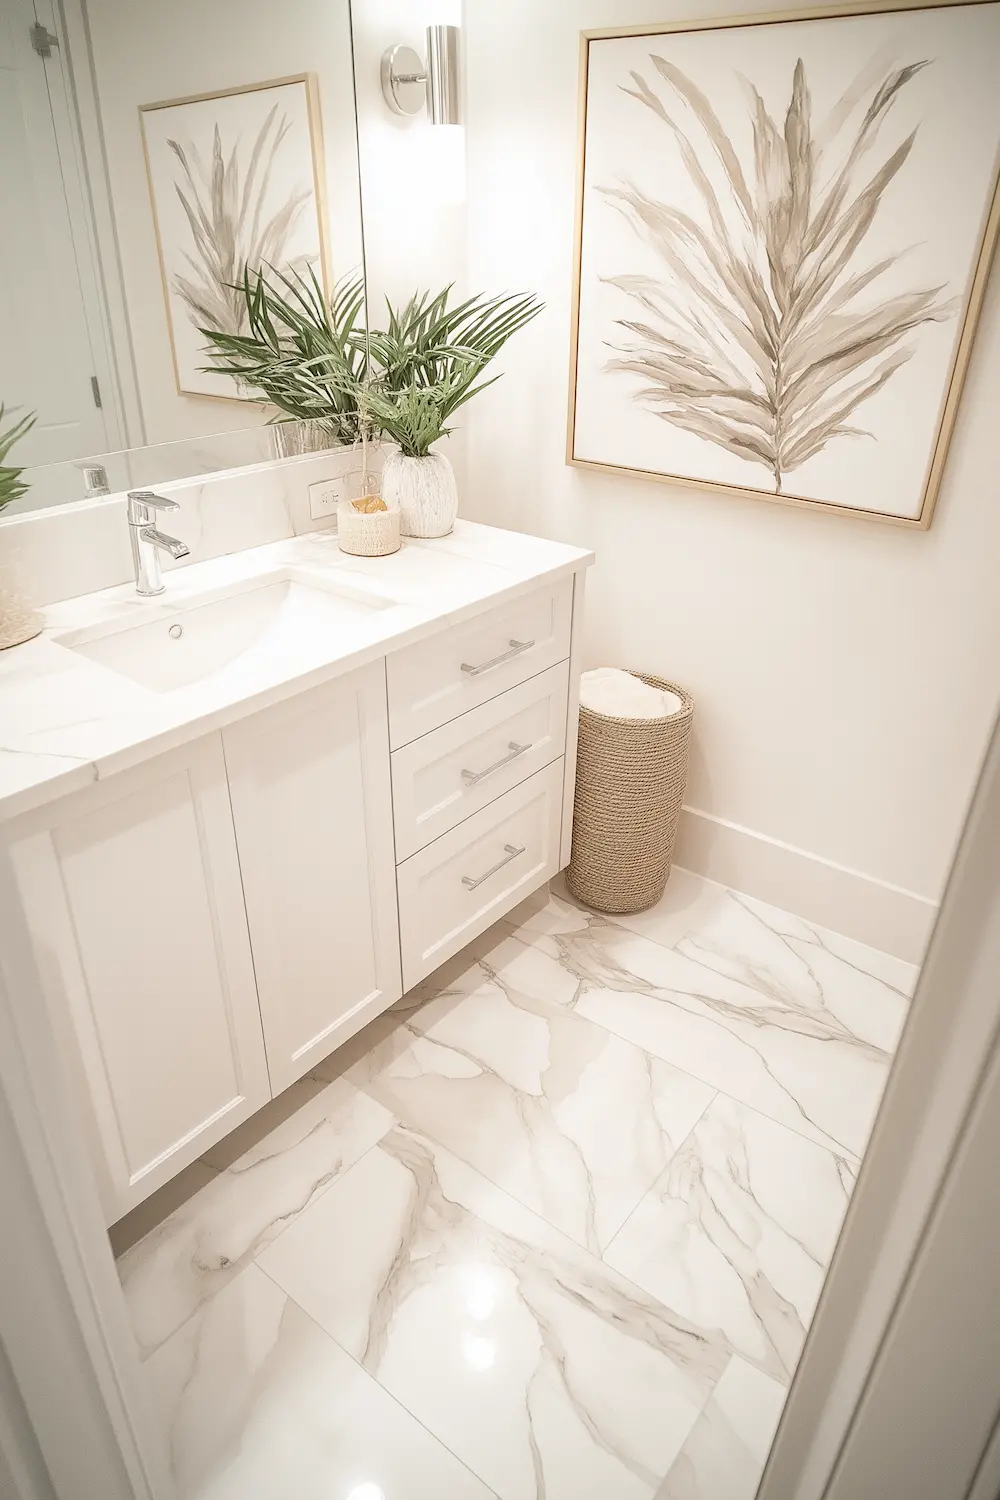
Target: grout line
254, 1259
838, 1147
664, 1169
296, 1218
375, 1380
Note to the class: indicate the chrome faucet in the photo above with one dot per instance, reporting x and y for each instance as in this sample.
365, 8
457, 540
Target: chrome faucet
147, 541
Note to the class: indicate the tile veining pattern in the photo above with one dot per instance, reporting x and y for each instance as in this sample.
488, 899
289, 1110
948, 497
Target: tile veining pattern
552, 1229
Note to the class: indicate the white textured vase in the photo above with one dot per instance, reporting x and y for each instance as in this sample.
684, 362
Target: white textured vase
425, 491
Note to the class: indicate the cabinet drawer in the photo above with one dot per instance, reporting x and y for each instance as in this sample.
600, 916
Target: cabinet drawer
449, 774
456, 887
438, 679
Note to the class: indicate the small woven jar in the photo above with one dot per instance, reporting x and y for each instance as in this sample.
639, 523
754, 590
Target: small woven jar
372, 533
18, 621
630, 781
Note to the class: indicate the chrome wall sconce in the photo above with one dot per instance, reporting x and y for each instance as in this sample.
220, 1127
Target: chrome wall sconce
408, 85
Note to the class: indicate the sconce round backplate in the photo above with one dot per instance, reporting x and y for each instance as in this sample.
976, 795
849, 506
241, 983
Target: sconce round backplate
404, 80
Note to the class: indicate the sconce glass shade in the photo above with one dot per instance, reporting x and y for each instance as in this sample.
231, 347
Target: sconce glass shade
443, 155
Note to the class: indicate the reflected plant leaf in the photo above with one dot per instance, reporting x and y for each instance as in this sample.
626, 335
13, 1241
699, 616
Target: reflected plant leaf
12, 486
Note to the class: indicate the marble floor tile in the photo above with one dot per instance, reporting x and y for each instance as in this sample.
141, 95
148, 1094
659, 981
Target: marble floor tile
738, 1232
573, 1121
725, 1453
785, 1024
868, 991
200, 1247
258, 1403
547, 1373
389, 1284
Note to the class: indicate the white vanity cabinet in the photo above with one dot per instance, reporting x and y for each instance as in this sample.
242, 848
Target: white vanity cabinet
213, 921
312, 804
132, 894
203, 944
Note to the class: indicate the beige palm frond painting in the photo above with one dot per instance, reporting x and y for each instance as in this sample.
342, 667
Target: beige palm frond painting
769, 330
226, 207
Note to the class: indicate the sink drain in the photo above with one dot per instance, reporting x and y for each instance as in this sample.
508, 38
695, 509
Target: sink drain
175, 632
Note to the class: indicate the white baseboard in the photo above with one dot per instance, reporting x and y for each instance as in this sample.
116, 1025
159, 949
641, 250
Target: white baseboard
844, 900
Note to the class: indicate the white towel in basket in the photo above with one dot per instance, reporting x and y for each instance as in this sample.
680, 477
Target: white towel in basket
609, 690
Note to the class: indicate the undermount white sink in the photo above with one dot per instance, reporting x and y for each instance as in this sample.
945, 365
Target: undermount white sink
180, 647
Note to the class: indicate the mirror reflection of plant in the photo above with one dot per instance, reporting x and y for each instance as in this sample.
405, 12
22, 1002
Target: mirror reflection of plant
12, 487
305, 354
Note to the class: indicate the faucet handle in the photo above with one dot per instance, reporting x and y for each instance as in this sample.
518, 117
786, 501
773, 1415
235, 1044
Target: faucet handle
141, 502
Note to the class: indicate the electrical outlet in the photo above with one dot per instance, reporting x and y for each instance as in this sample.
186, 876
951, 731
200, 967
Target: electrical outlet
324, 498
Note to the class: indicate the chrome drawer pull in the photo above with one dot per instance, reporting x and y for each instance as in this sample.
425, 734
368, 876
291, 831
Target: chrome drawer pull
516, 647
510, 853
472, 777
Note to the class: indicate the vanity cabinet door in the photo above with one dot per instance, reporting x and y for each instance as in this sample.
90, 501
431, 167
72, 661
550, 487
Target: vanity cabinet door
312, 803
132, 894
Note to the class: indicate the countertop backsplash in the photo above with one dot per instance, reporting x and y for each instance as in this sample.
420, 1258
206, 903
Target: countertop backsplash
62, 552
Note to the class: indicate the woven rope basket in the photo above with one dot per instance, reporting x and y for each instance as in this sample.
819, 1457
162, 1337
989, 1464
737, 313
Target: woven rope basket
630, 780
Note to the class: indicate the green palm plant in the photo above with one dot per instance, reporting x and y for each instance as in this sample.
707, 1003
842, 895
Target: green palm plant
306, 354
12, 487
759, 338
314, 360
414, 418
430, 358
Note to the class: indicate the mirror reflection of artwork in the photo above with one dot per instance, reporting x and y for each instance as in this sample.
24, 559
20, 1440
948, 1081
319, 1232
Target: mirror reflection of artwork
234, 179
785, 233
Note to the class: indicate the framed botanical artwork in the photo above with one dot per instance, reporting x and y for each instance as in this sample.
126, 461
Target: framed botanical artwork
236, 180
784, 230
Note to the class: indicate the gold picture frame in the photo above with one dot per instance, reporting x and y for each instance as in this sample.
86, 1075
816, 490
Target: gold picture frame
967, 318
309, 84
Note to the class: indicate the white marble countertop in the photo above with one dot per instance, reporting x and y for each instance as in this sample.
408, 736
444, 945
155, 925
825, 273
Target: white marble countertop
66, 721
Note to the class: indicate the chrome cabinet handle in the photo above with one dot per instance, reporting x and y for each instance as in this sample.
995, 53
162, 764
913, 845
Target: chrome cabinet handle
472, 777
516, 647
509, 853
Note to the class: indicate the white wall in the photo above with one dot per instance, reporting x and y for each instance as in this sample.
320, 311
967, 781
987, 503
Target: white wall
414, 236
846, 673
144, 52
414, 214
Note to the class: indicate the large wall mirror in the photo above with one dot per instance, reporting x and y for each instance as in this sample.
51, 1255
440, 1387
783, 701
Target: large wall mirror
147, 153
